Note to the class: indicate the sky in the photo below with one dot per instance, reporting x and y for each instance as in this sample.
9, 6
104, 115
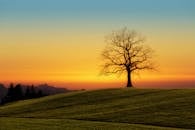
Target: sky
60, 41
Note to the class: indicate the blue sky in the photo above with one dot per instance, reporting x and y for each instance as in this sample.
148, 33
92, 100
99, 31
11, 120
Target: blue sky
97, 13
96, 8
65, 25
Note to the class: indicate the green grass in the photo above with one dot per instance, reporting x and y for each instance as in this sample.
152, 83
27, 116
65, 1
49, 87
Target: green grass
61, 124
104, 109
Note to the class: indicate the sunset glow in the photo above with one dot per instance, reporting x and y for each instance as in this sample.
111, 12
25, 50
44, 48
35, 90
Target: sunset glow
60, 42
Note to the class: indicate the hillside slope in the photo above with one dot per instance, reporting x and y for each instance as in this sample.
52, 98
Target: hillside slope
167, 108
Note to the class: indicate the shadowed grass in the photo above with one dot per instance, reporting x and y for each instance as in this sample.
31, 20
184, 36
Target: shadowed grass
167, 108
62, 124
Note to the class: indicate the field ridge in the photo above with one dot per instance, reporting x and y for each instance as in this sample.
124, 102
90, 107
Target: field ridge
162, 108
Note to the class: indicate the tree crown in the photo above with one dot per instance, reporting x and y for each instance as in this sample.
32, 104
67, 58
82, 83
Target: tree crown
125, 51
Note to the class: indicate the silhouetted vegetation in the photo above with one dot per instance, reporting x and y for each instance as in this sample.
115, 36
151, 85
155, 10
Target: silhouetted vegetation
3, 91
19, 92
126, 53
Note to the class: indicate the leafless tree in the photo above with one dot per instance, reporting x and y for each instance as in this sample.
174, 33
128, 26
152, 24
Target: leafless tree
126, 53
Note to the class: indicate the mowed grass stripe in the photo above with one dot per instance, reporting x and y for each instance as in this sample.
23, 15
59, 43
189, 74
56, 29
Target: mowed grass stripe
172, 108
61, 124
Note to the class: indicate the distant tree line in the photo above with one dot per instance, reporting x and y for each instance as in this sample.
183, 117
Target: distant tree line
19, 92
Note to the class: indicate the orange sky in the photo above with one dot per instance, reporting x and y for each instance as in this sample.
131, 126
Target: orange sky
68, 58
62, 46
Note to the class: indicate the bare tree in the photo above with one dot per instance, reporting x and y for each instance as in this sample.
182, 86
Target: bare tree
125, 53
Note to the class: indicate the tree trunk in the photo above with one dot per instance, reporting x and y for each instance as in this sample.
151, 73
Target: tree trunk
129, 83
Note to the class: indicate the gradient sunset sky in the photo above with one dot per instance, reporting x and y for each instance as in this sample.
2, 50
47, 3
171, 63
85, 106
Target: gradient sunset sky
60, 41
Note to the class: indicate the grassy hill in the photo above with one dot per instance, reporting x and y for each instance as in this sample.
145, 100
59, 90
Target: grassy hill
104, 109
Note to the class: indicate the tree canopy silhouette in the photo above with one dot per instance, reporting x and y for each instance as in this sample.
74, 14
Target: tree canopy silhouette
126, 53
21, 92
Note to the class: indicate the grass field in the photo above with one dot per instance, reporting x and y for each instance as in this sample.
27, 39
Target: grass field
104, 109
